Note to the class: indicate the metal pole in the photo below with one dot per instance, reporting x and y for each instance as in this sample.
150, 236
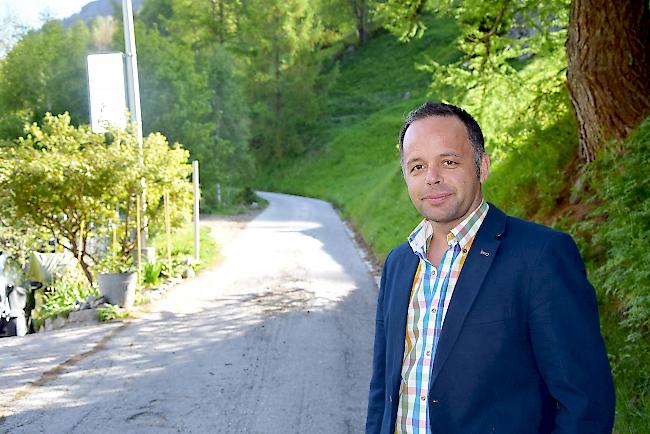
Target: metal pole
133, 93
137, 236
132, 81
168, 231
195, 180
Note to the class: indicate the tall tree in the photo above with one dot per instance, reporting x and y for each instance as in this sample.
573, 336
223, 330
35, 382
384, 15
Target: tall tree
45, 72
360, 10
190, 91
224, 18
279, 40
608, 69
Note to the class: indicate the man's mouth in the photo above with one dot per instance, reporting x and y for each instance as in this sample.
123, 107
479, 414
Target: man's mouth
436, 198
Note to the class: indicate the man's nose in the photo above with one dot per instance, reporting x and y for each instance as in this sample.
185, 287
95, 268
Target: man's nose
432, 176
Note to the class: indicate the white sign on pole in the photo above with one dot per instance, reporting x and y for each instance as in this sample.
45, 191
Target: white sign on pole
107, 92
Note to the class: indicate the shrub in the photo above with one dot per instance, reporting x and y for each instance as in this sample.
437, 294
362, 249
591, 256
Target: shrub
616, 242
70, 184
61, 298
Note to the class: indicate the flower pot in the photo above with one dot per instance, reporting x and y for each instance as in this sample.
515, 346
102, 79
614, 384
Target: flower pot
118, 288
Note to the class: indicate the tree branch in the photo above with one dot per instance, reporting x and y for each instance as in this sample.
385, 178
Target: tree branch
493, 30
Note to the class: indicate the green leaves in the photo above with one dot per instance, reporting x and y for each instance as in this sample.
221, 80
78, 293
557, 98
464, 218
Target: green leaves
623, 187
45, 72
512, 63
616, 239
283, 69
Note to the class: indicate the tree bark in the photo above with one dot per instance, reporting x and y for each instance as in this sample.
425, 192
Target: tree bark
360, 11
608, 69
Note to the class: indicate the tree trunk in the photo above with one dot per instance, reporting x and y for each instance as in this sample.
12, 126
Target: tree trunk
222, 22
608, 69
360, 10
277, 120
79, 253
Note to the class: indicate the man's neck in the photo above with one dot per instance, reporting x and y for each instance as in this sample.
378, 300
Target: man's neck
438, 243
437, 247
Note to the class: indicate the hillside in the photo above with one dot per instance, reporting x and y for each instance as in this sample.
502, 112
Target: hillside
97, 8
355, 164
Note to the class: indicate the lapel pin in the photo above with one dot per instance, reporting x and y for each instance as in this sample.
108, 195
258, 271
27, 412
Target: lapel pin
484, 253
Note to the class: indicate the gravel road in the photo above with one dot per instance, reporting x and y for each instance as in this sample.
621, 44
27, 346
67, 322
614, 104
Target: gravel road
277, 338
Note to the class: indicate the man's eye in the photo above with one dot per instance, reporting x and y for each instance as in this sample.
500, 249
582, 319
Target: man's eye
449, 163
416, 168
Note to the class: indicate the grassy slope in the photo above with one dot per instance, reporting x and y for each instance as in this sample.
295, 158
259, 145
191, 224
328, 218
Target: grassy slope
356, 165
355, 162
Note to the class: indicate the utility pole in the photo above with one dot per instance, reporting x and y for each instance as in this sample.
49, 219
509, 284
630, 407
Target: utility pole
132, 81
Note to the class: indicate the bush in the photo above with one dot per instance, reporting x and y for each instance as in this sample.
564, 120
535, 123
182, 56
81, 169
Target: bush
111, 312
70, 184
60, 299
615, 240
247, 196
151, 273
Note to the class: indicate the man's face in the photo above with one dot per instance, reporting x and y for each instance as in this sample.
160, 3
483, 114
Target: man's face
440, 172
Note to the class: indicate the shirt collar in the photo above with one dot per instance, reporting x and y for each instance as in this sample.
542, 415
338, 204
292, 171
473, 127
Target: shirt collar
461, 234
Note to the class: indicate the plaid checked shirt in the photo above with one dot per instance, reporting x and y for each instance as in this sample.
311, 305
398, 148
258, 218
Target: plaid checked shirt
430, 296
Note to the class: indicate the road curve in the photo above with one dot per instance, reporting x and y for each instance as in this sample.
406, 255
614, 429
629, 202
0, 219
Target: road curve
276, 339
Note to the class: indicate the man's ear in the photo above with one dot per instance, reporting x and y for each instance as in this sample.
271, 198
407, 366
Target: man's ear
485, 168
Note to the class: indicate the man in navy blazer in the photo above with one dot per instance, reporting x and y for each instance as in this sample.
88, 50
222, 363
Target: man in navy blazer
519, 350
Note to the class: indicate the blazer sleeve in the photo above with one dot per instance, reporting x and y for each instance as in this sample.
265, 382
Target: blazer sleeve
565, 334
377, 395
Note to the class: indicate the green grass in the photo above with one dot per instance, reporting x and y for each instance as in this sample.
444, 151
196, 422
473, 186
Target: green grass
182, 242
380, 73
354, 163
530, 181
615, 240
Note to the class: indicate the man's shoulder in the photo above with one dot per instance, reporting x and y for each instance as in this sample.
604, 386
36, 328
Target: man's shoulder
518, 225
399, 254
529, 232
401, 251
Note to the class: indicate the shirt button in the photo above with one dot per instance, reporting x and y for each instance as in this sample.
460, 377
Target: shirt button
434, 310
433, 271
423, 398
428, 353
464, 251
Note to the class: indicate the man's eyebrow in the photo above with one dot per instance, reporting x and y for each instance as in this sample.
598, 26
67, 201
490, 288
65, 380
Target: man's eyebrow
443, 155
412, 160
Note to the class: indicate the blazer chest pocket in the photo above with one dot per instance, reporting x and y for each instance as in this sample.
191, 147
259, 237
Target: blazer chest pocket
483, 315
491, 306
485, 321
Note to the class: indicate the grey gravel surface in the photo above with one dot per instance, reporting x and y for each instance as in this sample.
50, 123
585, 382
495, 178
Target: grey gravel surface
276, 339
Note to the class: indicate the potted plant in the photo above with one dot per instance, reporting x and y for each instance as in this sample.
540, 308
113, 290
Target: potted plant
117, 278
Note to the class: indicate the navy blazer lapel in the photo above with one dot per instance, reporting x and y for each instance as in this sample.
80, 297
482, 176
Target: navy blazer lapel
401, 294
469, 283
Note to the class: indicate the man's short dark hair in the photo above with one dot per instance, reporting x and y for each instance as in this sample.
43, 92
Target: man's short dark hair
441, 109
